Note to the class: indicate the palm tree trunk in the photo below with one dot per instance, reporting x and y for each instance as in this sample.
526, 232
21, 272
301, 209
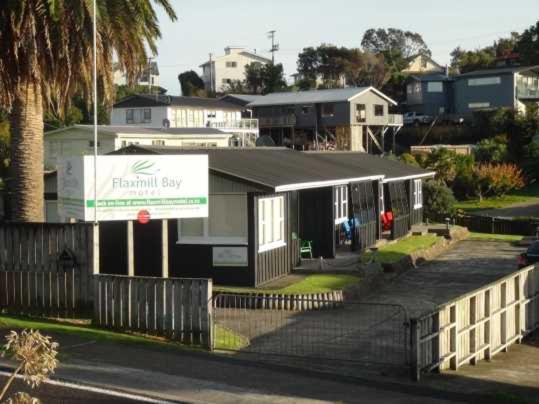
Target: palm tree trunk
27, 154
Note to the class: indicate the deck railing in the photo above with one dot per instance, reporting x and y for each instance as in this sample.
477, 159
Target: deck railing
243, 124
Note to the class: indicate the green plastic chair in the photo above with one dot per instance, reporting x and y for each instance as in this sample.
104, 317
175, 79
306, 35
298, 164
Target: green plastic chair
306, 247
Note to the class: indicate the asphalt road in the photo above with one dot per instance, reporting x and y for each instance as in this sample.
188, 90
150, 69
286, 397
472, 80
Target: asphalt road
49, 393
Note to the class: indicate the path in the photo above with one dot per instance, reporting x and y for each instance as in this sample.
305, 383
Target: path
467, 266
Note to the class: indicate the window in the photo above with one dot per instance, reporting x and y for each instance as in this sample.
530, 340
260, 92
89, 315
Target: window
479, 105
270, 223
410, 89
232, 64
378, 110
328, 110
305, 110
147, 115
226, 81
424, 62
361, 113
417, 88
158, 142
129, 116
91, 143
485, 81
226, 222
341, 204
212, 114
418, 194
435, 87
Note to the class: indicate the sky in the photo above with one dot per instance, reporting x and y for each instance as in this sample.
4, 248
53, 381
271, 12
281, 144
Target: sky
209, 26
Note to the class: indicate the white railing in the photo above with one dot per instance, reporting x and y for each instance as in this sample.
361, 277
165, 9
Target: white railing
478, 325
395, 119
527, 92
244, 124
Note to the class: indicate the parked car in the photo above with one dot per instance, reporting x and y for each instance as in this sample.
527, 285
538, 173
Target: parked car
531, 256
417, 118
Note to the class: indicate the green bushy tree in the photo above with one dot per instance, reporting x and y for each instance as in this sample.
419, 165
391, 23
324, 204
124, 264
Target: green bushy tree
438, 200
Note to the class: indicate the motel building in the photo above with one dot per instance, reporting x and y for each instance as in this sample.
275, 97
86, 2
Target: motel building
261, 204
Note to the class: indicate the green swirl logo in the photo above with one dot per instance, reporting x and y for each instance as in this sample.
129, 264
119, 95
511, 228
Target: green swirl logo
144, 167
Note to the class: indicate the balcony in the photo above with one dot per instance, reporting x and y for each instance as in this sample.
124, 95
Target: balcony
277, 121
395, 120
528, 93
249, 125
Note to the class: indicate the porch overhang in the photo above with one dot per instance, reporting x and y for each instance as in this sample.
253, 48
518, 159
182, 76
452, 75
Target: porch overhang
322, 184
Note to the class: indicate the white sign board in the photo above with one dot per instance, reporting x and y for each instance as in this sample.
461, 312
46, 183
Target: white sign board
230, 257
165, 186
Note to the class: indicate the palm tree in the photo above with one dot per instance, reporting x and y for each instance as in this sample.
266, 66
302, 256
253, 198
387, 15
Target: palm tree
46, 58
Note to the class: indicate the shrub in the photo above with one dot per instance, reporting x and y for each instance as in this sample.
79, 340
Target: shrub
493, 150
409, 159
438, 200
442, 161
496, 179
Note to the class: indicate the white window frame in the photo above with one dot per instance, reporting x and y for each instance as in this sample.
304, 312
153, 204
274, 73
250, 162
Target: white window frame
376, 107
129, 112
341, 204
276, 219
485, 81
158, 142
149, 119
418, 194
435, 87
206, 238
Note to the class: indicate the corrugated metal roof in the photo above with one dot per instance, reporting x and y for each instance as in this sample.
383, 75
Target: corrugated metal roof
136, 130
391, 169
314, 96
146, 100
282, 169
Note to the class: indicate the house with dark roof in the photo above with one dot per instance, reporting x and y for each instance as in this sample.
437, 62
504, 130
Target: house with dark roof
158, 111
430, 94
482, 90
353, 119
507, 87
263, 202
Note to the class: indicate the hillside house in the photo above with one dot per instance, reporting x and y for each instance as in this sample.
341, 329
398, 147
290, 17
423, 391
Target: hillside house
220, 71
353, 119
163, 111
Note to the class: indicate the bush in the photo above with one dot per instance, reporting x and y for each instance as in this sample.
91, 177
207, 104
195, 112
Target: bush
496, 179
493, 150
438, 200
442, 161
409, 159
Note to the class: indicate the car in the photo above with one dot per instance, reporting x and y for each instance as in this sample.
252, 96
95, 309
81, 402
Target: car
417, 118
530, 257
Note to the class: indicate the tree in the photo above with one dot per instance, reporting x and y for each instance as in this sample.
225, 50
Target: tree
492, 150
496, 179
463, 61
263, 79
366, 69
46, 54
396, 45
527, 46
438, 200
191, 83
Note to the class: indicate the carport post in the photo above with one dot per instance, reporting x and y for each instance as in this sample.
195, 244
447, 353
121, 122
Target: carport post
130, 249
164, 248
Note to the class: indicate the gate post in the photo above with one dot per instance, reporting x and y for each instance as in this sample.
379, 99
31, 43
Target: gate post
415, 350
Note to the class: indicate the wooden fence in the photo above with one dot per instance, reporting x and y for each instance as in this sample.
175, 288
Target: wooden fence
46, 268
478, 325
497, 225
179, 309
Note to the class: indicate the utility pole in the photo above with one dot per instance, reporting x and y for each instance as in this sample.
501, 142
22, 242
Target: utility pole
149, 67
211, 73
274, 46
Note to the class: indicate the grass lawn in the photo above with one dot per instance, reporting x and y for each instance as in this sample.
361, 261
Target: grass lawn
224, 339
494, 237
318, 283
395, 251
529, 194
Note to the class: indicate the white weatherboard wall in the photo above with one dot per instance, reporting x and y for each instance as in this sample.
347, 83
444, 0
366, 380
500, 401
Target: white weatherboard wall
165, 186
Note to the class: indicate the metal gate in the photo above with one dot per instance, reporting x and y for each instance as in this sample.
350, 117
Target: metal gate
312, 328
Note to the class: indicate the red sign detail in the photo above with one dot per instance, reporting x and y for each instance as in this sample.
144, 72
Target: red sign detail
143, 217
